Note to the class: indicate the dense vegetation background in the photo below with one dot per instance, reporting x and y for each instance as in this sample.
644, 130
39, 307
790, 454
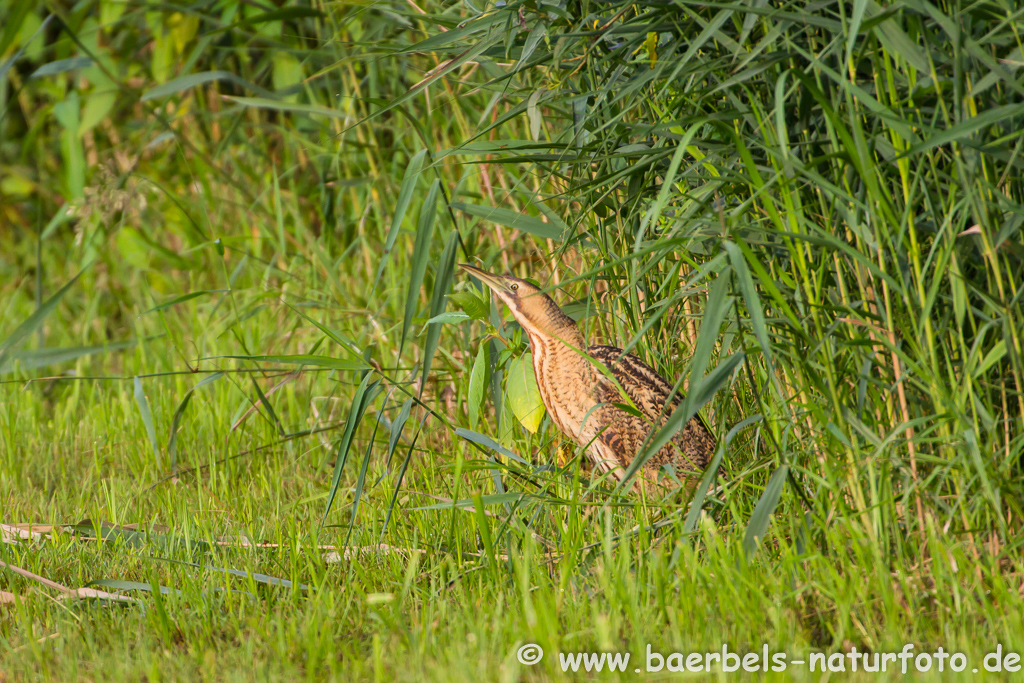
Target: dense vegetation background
236, 358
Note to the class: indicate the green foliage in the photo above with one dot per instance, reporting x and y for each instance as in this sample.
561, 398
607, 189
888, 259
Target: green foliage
808, 215
522, 393
864, 167
478, 380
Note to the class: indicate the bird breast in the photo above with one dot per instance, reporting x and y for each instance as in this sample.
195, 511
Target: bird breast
566, 379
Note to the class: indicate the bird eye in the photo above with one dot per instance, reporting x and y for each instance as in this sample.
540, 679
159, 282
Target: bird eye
513, 286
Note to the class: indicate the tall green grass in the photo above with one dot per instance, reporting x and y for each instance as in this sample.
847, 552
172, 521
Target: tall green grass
227, 247
845, 180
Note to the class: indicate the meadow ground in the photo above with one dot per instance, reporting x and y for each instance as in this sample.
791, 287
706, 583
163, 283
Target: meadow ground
254, 426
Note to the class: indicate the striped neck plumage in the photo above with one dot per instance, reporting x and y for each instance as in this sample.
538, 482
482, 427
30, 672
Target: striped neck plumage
545, 323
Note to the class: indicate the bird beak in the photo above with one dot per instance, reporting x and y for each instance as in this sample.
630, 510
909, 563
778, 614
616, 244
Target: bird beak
493, 281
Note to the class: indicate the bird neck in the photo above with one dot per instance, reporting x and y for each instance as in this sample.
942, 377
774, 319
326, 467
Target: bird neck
563, 334
542, 318
563, 372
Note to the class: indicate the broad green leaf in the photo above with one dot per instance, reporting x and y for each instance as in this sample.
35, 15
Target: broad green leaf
266, 404
537, 34
522, 393
468, 300
553, 218
67, 112
854, 27
118, 584
452, 36
96, 108
435, 75
15, 17
335, 336
990, 492
533, 114
897, 42
1005, 114
959, 292
715, 380
449, 317
265, 579
106, 531
652, 216
710, 30
994, 355
401, 475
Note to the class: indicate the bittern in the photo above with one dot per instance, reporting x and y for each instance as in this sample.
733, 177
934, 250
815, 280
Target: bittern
584, 402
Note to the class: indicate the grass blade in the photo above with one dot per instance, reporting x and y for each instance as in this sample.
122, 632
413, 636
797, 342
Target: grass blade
176, 85
489, 443
147, 418
761, 517
364, 394
266, 404
478, 379
172, 442
304, 359
361, 479
396, 433
182, 299
442, 285
32, 323
752, 300
42, 358
412, 175
697, 502
400, 479
420, 259
701, 388
512, 219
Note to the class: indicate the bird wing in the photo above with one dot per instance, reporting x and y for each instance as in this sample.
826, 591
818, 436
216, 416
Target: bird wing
648, 390
650, 393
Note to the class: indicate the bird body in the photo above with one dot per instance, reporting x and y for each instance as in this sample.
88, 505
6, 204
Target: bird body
583, 388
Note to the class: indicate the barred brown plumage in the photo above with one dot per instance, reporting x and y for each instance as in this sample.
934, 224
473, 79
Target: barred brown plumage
584, 386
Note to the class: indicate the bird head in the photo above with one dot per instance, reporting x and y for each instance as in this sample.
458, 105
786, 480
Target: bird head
534, 310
